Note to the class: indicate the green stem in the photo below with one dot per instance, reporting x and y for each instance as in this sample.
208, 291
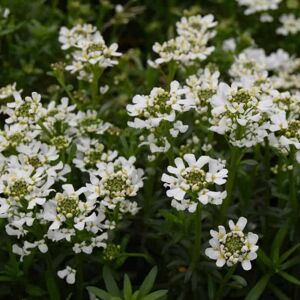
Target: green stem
50, 275
79, 278
95, 86
62, 84
172, 68
226, 278
234, 162
198, 233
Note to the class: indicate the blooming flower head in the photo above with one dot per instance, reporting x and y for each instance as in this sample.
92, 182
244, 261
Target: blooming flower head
290, 25
240, 110
254, 6
88, 50
115, 182
195, 182
190, 45
234, 246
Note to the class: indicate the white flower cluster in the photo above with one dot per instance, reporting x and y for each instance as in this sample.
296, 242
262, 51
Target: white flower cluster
254, 6
157, 115
234, 246
290, 24
88, 51
190, 44
199, 90
38, 206
196, 182
240, 110
279, 68
114, 182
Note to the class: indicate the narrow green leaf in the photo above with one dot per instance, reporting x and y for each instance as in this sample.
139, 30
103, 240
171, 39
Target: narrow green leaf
52, 286
156, 295
289, 278
264, 258
99, 293
148, 283
259, 288
278, 292
127, 288
290, 263
288, 253
276, 245
110, 282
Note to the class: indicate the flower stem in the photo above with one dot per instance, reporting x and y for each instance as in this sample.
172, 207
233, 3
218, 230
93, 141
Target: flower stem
226, 278
198, 234
50, 275
79, 278
236, 156
95, 86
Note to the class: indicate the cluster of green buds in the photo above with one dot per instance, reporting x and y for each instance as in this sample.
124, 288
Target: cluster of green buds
17, 189
232, 246
67, 205
111, 252
117, 184
195, 179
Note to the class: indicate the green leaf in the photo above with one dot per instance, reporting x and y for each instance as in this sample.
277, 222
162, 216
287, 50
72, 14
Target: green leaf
282, 232
290, 263
240, 280
127, 288
35, 290
52, 286
110, 282
156, 295
148, 283
259, 288
289, 278
99, 293
278, 293
264, 258
288, 253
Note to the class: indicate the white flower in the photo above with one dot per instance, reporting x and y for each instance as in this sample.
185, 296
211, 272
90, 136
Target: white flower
196, 181
229, 45
178, 127
87, 50
199, 90
234, 246
68, 273
150, 110
254, 6
194, 33
8, 91
118, 181
290, 24
240, 110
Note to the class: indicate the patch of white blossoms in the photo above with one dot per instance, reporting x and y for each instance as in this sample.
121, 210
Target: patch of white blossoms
254, 6
114, 183
195, 182
88, 51
156, 114
290, 25
240, 111
191, 42
234, 246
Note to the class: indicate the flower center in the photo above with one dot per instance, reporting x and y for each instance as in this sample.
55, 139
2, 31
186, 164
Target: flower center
19, 189
34, 161
116, 185
195, 178
293, 130
233, 243
59, 142
67, 205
